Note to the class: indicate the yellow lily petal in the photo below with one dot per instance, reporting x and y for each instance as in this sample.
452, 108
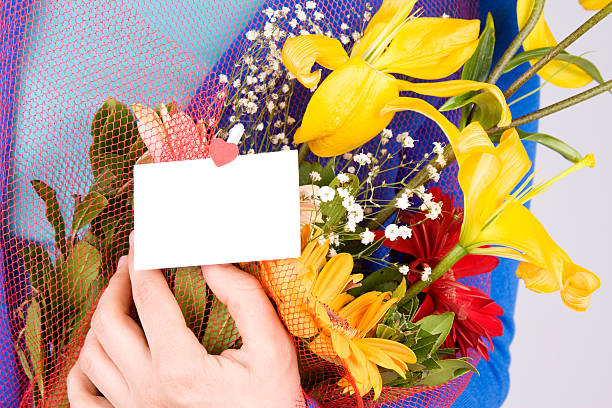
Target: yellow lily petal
430, 48
476, 174
394, 349
549, 268
558, 73
300, 54
344, 112
473, 139
452, 88
424, 108
391, 14
594, 4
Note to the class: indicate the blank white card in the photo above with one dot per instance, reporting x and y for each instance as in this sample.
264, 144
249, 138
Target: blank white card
192, 213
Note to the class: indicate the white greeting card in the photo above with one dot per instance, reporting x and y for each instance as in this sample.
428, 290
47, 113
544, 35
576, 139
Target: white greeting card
193, 213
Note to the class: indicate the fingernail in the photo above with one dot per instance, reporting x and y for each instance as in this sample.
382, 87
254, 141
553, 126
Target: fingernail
131, 238
122, 261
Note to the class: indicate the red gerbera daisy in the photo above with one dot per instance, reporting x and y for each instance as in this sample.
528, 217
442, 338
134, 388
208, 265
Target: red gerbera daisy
475, 312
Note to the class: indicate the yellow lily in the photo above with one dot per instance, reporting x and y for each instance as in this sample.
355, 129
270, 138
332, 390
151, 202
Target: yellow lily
309, 293
594, 4
360, 97
496, 222
558, 73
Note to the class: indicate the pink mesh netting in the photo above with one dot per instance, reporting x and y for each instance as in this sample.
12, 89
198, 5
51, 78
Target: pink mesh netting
60, 62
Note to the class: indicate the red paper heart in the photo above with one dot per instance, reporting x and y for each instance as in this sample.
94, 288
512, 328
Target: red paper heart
222, 152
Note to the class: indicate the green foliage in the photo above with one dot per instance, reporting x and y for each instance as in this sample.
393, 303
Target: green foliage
326, 173
384, 277
53, 214
535, 54
221, 331
191, 295
559, 146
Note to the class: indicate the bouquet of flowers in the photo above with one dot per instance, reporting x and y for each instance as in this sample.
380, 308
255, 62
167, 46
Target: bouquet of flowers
387, 300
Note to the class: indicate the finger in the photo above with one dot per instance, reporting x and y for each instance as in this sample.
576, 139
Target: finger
248, 305
81, 391
120, 336
101, 371
160, 315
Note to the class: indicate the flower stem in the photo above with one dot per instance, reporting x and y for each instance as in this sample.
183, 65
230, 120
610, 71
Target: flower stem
303, 152
419, 179
566, 103
441, 268
536, 12
590, 23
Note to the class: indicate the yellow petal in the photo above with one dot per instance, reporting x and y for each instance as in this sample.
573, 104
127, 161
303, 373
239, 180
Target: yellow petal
391, 14
345, 111
424, 108
549, 268
340, 300
558, 73
476, 175
430, 48
594, 4
473, 139
447, 89
302, 52
340, 343
322, 346
576, 293
376, 311
375, 379
333, 278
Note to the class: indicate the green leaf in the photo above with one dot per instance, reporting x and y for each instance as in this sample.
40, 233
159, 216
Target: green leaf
191, 295
535, 54
408, 307
328, 173
305, 169
459, 101
105, 184
438, 324
400, 291
449, 370
559, 146
52, 213
375, 279
370, 249
78, 271
487, 111
34, 344
87, 209
38, 265
426, 345
221, 331
25, 363
478, 66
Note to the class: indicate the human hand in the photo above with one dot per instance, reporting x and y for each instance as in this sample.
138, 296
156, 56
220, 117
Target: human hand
164, 365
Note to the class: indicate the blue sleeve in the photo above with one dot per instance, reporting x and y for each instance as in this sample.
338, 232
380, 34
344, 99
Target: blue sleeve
489, 390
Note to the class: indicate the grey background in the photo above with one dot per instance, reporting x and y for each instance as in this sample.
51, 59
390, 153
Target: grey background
562, 358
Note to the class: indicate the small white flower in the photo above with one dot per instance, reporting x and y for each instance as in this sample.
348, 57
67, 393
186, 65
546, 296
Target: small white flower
445, 15
350, 226
269, 12
348, 202
236, 83
301, 15
334, 239
285, 88
367, 237
438, 148
235, 133
311, 5
392, 232
404, 269
315, 176
351, 169
223, 79
433, 173
332, 252
426, 274
252, 35
356, 35
342, 192
344, 39
347, 156
293, 23
344, 26
402, 202
251, 151
405, 232
326, 194
405, 140
343, 178
362, 159
259, 127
